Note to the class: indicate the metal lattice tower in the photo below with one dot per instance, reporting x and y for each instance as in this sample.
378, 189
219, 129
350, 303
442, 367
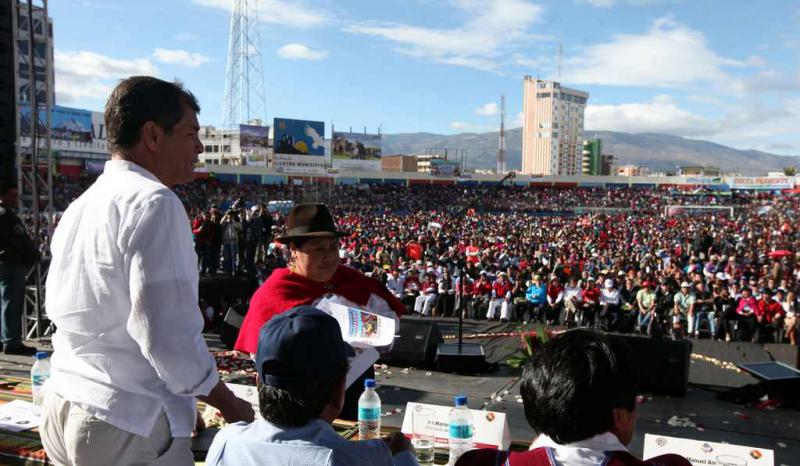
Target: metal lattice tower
33, 60
244, 79
501, 150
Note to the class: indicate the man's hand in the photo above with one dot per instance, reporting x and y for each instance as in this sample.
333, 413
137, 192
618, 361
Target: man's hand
237, 410
398, 442
232, 409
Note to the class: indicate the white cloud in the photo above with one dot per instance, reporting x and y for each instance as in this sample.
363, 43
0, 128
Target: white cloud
472, 127
518, 120
487, 109
496, 26
301, 52
180, 57
611, 3
89, 75
185, 37
283, 12
669, 55
660, 115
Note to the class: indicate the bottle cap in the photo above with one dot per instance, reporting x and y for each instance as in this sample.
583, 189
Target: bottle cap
41, 355
461, 400
369, 383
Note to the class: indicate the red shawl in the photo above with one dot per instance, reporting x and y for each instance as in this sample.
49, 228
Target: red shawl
284, 290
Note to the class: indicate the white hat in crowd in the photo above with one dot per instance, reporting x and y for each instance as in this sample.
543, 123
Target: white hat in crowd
609, 283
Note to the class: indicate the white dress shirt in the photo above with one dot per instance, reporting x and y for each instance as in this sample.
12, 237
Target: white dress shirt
587, 452
122, 291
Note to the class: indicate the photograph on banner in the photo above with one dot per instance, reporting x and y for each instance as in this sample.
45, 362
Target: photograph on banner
299, 137
356, 146
71, 124
253, 138
441, 167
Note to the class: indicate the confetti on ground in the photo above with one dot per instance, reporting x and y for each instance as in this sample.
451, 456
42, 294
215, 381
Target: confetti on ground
429, 373
719, 363
676, 421
781, 444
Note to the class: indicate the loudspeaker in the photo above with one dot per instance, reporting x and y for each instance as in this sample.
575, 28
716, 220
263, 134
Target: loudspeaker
229, 330
7, 106
663, 364
467, 358
416, 344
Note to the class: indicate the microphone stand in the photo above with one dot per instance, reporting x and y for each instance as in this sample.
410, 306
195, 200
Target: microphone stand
462, 276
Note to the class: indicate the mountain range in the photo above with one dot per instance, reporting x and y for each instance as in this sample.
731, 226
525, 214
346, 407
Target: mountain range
658, 152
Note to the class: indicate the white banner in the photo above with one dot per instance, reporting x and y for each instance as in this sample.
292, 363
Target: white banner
762, 182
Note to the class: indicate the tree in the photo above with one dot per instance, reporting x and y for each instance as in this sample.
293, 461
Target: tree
790, 171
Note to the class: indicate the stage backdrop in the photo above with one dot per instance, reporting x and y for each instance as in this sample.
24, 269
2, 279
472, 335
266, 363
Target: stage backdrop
299, 146
356, 151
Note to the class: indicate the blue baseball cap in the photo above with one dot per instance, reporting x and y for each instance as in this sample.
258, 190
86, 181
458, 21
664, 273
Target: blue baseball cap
301, 346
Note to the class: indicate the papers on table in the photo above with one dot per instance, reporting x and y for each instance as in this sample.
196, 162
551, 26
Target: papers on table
19, 415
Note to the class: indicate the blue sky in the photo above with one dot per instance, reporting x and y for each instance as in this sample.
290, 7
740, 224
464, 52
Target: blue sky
721, 70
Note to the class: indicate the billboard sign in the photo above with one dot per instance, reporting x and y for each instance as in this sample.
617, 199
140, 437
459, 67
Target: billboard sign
356, 151
299, 137
253, 138
74, 132
441, 167
763, 182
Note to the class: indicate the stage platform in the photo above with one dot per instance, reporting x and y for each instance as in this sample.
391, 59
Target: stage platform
699, 415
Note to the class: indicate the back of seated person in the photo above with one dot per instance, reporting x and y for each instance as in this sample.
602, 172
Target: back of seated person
579, 393
302, 364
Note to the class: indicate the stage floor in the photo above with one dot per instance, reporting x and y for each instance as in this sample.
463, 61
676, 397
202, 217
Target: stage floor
708, 417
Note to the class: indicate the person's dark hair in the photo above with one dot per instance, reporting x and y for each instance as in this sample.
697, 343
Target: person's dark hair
571, 386
6, 186
295, 408
139, 99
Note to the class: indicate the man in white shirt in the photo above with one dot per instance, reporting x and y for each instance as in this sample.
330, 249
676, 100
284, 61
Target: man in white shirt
129, 357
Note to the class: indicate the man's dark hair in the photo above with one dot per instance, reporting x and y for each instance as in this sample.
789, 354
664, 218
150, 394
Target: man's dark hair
571, 386
6, 186
140, 99
295, 408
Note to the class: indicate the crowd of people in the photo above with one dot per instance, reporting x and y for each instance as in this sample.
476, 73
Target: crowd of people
602, 257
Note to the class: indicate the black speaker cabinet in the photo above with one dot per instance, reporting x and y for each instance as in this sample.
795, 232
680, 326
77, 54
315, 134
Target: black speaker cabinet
416, 344
663, 364
229, 330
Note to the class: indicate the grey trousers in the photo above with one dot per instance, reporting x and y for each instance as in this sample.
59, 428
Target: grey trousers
73, 437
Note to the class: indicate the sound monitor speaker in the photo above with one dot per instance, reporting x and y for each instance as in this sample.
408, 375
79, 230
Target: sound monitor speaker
7, 106
229, 330
467, 358
663, 364
416, 345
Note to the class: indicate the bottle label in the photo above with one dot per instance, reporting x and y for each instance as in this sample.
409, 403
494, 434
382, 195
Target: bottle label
38, 379
369, 413
460, 431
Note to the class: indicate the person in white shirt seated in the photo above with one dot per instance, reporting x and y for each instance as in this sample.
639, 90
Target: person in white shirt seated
302, 364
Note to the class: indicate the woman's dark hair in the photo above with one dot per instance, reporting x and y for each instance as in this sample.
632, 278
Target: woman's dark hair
295, 408
571, 386
140, 99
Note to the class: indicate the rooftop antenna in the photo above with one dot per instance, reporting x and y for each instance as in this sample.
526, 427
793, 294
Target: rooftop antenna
558, 61
244, 78
501, 151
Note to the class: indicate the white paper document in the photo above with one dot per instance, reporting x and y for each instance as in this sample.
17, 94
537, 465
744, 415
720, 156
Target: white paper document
699, 452
362, 329
19, 415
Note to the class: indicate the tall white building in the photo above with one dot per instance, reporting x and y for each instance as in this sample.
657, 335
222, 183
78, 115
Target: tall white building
552, 130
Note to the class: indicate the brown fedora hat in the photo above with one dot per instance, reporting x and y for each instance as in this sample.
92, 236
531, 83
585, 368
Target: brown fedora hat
309, 221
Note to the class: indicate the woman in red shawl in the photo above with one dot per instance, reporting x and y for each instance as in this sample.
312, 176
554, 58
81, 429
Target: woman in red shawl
314, 272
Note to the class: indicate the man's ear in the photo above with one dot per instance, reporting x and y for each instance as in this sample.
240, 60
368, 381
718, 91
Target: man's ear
150, 135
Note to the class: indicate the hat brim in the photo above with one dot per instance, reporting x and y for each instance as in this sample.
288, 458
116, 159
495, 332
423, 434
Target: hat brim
314, 234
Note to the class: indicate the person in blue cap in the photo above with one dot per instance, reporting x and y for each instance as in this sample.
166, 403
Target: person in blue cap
302, 362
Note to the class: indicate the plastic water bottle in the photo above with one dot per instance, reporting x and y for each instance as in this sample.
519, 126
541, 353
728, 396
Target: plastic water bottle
40, 372
461, 430
369, 412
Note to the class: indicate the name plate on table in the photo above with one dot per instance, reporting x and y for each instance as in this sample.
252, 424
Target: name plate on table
433, 421
703, 453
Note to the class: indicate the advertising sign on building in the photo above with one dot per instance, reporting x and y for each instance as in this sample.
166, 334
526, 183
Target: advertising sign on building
441, 167
763, 182
75, 133
356, 151
299, 146
254, 144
